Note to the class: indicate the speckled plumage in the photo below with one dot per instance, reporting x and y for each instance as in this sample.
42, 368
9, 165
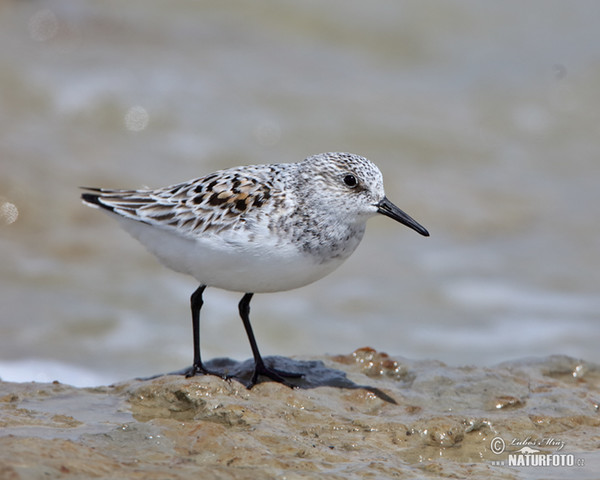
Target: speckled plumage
257, 228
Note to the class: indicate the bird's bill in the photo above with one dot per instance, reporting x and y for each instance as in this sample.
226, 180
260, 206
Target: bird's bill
387, 208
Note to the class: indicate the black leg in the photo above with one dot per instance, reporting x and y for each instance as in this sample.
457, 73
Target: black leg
197, 367
259, 365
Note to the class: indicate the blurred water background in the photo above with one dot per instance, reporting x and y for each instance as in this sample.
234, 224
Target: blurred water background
484, 118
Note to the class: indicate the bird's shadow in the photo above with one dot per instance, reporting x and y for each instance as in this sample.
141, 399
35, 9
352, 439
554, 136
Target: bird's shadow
314, 374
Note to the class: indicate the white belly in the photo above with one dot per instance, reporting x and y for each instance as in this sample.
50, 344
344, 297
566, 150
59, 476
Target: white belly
231, 262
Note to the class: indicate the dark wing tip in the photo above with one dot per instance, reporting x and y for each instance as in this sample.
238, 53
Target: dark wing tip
93, 199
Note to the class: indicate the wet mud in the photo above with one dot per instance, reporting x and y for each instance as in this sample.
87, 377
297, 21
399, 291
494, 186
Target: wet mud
362, 415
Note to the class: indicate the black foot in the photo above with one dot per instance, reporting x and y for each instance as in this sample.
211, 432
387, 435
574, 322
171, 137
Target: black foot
199, 369
279, 376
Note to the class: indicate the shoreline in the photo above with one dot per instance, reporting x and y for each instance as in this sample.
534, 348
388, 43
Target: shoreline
354, 415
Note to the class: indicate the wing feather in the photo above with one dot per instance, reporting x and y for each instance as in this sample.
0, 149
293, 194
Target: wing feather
216, 201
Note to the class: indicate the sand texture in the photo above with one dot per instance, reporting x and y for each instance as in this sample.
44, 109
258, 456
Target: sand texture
363, 415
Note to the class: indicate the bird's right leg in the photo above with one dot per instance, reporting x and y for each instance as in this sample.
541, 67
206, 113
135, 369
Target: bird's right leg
260, 369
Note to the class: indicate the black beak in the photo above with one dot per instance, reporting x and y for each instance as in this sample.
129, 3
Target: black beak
387, 208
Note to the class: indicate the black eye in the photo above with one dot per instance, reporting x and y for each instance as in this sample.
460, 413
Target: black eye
350, 180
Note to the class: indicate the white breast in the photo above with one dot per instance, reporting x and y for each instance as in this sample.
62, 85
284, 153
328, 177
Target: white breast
231, 262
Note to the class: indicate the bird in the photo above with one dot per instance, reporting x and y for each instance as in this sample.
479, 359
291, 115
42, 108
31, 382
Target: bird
255, 229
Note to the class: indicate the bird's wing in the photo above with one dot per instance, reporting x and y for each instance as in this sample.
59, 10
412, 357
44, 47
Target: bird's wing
209, 203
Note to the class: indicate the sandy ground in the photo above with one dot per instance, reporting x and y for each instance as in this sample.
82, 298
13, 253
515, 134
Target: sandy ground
363, 415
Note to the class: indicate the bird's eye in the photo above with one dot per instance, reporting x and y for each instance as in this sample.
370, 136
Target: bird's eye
350, 180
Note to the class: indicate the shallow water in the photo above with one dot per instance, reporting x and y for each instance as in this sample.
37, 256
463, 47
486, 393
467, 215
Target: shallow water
483, 118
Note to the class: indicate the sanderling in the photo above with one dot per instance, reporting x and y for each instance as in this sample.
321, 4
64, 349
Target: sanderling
256, 229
